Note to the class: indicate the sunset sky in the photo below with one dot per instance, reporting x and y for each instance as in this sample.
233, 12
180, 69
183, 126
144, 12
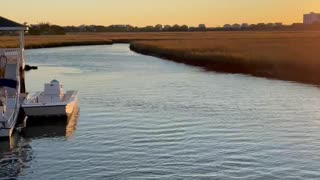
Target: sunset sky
151, 12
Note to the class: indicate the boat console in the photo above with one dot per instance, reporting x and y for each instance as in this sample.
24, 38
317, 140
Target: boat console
53, 92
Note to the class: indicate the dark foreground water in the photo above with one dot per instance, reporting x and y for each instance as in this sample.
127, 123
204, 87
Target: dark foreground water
146, 118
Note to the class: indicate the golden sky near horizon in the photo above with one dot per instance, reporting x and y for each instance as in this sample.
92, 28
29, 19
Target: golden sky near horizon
151, 12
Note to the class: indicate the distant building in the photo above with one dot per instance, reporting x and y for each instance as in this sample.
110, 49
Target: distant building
311, 18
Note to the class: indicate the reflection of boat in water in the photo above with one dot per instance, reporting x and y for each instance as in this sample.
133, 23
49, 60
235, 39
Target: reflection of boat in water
14, 154
17, 152
12, 143
64, 128
53, 127
54, 130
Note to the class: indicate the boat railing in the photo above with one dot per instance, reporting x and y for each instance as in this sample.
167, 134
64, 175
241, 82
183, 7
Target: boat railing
32, 99
10, 52
9, 119
6, 120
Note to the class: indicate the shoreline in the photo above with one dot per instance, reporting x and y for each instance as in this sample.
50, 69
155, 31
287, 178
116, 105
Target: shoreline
275, 55
68, 44
220, 65
234, 65
263, 71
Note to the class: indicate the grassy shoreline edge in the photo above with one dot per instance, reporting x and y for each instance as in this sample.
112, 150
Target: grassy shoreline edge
67, 44
234, 65
222, 64
291, 56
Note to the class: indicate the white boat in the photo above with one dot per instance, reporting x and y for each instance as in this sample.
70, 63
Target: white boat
9, 105
9, 94
11, 79
52, 102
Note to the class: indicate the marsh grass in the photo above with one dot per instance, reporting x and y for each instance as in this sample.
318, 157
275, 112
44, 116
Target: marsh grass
287, 56
53, 41
282, 55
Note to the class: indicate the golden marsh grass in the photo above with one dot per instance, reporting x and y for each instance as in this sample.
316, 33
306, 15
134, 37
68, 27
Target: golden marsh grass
282, 55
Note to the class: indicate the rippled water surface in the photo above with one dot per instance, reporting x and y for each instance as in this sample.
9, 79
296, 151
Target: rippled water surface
146, 118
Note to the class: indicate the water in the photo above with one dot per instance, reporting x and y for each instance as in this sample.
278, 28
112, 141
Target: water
146, 118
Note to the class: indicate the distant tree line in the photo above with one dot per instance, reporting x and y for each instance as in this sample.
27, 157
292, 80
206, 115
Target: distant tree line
269, 27
49, 29
129, 28
46, 29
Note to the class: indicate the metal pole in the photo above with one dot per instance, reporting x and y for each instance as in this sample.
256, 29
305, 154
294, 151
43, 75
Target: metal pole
21, 68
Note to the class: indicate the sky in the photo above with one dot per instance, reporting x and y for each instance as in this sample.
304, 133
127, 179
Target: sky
151, 12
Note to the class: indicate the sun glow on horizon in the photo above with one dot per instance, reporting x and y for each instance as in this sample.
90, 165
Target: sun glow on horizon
146, 12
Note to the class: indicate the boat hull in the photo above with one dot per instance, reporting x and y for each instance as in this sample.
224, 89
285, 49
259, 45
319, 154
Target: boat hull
6, 132
50, 110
